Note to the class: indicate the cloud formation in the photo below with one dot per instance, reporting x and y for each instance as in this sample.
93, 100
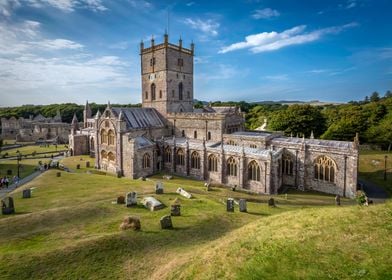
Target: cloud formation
265, 13
208, 27
68, 5
271, 41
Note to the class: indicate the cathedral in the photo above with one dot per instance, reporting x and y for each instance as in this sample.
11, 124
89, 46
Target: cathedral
168, 135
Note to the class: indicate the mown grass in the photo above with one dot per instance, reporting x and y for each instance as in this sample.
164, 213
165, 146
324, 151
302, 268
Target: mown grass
28, 150
372, 166
27, 166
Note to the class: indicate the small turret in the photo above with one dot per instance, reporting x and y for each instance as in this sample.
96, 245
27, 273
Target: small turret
57, 118
152, 41
86, 114
180, 42
74, 124
311, 135
166, 38
193, 48
141, 46
98, 115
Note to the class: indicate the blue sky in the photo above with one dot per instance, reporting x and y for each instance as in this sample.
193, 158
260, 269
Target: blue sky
55, 51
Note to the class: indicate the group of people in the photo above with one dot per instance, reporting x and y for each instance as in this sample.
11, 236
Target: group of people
5, 181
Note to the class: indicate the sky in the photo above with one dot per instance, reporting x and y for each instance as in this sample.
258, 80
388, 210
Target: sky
58, 51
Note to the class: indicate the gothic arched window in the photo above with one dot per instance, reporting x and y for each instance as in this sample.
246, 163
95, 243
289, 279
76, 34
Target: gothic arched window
195, 160
160, 94
104, 155
180, 157
231, 167
287, 165
195, 134
167, 155
111, 157
212, 163
209, 135
104, 137
324, 169
180, 91
153, 91
92, 146
111, 137
146, 161
146, 95
253, 171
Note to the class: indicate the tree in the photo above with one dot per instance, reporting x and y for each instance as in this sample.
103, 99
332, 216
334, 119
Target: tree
299, 119
382, 133
375, 97
388, 94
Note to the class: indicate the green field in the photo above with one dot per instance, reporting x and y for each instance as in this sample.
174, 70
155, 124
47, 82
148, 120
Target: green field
28, 150
69, 229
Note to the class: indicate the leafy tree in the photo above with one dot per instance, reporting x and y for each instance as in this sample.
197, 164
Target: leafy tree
381, 133
388, 94
375, 97
299, 119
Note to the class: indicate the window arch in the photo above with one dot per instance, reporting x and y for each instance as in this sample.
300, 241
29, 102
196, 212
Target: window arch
111, 137
153, 87
168, 155
254, 171
232, 167
195, 134
92, 146
104, 137
180, 157
212, 163
160, 94
183, 133
195, 160
324, 169
146, 160
287, 165
104, 155
209, 135
180, 91
111, 156
146, 95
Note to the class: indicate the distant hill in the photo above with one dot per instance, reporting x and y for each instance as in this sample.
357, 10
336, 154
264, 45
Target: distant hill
291, 102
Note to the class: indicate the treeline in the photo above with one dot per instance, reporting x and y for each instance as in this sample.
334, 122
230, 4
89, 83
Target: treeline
67, 110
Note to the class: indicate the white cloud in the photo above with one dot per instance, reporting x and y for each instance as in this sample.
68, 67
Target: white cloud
351, 4
69, 5
189, 4
281, 77
57, 44
208, 27
140, 3
270, 41
6, 7
265, 13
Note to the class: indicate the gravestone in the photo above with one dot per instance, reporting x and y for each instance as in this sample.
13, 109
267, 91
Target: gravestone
120, 200
78, 166
230, 205
130, 223
7, 206
152, 203
183, 192
271, 202
58, 174
131, 199
243, 205
167, 177
337, 200
87, 164
208, 186
159, 188
166, 222
175, 209
26, 193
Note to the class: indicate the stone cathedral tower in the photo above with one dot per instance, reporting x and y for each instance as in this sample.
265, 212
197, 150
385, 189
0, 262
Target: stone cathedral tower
167, 77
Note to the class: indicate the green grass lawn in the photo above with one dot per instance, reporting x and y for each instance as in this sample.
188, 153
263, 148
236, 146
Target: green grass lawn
26, 150
371, 168
69, 229
27, 166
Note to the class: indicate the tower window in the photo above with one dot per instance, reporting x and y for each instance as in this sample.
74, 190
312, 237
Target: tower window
180, 62
177, 75
160, 94
180, 88
183, 133
153, 91
146, 95
209, 135
173, 93
188, 94
195, 134
152, 61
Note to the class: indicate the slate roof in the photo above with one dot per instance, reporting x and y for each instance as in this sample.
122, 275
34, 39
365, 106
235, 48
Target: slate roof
316, 142
140, 117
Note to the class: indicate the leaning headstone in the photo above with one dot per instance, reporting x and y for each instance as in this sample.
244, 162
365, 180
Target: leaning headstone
167, 177
208, 186
230, 205
87, 164
58, 174
271, 202
130, 223
175, 208
243, 205
131, 199
78, 166
26, 193
120, 199
7, 206
166, 222
183, 192
152, 203
337, 200
159, 188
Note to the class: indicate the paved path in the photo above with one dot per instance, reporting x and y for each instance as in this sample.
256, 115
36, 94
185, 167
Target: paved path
374, 192
5, 191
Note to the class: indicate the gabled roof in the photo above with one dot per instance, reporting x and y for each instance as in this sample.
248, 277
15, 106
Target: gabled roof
139, 117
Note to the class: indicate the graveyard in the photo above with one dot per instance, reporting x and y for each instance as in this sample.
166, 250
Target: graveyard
69, 228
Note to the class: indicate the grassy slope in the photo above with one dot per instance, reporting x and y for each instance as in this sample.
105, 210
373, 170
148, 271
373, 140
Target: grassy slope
69, 230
